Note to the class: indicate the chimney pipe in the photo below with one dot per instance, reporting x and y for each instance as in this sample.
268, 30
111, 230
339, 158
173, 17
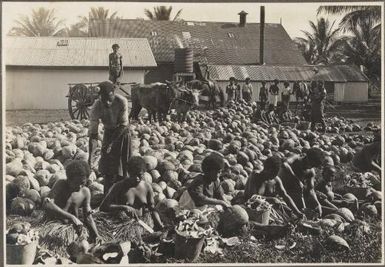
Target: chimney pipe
242, 18
262, 36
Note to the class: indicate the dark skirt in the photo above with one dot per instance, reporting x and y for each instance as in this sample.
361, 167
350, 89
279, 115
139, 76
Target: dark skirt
317, 112
285, 102
247, 96
114, 163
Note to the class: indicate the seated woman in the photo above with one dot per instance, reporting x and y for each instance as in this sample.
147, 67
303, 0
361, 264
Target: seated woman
205, 189
67, 197
132, 195
267, 184
330, 200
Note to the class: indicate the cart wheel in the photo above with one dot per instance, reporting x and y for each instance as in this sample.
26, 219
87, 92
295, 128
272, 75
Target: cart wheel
79, 102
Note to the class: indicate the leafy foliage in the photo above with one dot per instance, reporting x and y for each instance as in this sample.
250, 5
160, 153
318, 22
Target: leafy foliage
363, 47
96, 13
162, 13
353, 15
42, 22
320, 44
360, 47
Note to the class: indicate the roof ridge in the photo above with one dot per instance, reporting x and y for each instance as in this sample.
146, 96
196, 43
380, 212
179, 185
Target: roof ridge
79, 38
182, 21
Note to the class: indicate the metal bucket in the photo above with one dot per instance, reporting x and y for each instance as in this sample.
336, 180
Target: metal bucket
188, 248
259, 216
21, 254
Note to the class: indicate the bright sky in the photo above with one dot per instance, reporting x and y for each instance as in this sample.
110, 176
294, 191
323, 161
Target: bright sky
295, 16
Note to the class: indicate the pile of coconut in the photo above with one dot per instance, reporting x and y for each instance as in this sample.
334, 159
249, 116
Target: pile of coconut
36, 156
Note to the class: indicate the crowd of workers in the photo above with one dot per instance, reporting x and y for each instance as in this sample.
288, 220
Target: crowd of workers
310, 95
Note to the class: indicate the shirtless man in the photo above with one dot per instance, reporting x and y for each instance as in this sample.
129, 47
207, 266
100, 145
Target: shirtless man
132, 194
330, 200
266, 183
68, 196
298, 178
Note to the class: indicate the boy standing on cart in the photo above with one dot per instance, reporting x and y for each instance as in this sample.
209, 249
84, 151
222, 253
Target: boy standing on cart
115, 65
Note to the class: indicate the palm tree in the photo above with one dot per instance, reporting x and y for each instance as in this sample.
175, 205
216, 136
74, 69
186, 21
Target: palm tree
320, 44
42, 22
363, 48
353, 15
96, 13
162, 13
307, 48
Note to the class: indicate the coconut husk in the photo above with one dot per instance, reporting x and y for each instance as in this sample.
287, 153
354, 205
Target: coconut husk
121, 227
56, 236
279, 214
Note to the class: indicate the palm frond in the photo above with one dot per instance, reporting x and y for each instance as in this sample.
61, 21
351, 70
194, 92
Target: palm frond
162, 13
337, 9
42, 22
149, 14
176, 17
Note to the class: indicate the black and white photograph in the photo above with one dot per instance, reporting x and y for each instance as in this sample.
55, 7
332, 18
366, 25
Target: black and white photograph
192, 133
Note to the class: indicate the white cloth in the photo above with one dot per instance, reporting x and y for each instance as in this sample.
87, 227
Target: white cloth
273, 99
248, 88
286, 91
187, 203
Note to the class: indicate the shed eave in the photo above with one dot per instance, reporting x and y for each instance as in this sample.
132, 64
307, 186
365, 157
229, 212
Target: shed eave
77, 67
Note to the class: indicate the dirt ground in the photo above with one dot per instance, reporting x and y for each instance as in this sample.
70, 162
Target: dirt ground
359, 113
19, 117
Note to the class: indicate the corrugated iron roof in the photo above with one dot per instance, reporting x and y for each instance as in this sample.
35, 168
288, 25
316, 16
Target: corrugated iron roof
334, 73
210, 40
80, 52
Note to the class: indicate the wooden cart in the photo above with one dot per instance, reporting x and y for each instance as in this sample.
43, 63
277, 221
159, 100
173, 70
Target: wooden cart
81, 97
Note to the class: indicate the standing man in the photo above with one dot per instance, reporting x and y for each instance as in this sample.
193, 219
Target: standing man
115, 65
112, 110
263, 95
238, 92
273, 91
247, 91
286, 92
230, 89
297, 91
305, 91
318, 94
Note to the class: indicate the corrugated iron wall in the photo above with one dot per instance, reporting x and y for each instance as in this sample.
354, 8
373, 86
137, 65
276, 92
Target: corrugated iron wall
339, 92
26, 87
357, 92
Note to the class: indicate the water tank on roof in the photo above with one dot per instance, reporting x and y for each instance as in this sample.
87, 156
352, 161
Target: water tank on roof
184, 58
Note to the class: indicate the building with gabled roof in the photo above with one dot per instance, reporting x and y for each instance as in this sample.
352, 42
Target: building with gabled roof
215, 43
228, 49
42, 67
